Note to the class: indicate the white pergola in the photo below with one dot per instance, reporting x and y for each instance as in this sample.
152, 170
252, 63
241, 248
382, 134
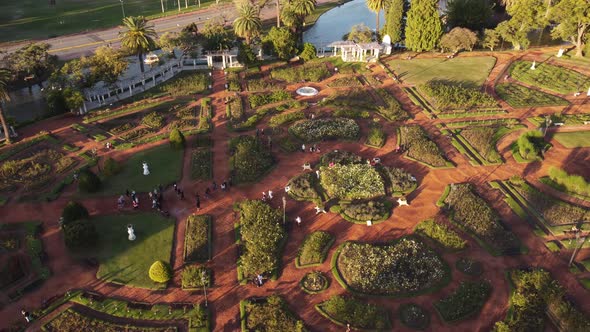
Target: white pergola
229, 59
356, 52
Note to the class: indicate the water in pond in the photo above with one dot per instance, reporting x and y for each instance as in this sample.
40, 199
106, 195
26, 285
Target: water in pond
25, 105
336, 22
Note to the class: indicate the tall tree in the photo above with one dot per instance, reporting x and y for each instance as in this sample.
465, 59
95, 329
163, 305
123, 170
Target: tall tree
424, 26
526, 15
394, 20
282, 41
4, 79
138, 36
106, 64
32, 60
458, 39
471, 14
376, 6
302, 7
294, 12
215, 36
248, 23
573, 22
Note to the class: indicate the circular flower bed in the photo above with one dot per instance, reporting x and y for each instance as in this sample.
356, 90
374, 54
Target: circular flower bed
405, 267
326, 128
414, 316
314, 282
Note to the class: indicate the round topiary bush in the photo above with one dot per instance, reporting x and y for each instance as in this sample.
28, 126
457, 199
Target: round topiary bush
80, 234
176, 139
160, 272
110, 167
88, 182
73, 211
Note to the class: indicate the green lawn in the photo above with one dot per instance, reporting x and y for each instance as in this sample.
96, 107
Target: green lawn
127, 262
165, 165
550, 77
575, 139
33, 19
517, 95
471, 70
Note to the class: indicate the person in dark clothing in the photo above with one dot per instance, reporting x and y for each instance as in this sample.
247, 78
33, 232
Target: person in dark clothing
198, 202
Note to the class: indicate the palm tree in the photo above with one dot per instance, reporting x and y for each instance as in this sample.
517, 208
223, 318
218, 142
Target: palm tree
376, 6
4, 78
139, 36
303, 7
248, 23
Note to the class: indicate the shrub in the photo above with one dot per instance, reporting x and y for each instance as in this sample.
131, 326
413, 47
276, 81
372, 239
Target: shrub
323, 129
74, 211
441, 234
572, 183
283, 118
304, 187
196, 242
362, 211
531, 145
444, 95
394, 110
110, 167
80, 234
375, 269
340, 157
160, 272
353, 181
347, 310
376, 136
420, 146
351, 113
268, 98
196, 277
312, 72
176, 139
153, 120
308, 52
467, 300
398, 181
250, 159
271, 315
88, 181
313, 249
414, 316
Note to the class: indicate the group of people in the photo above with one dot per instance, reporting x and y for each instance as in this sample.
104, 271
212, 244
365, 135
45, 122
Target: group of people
266, 196
312, 149
224, 187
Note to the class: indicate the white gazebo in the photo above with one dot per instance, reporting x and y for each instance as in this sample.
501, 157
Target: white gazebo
356, 52
229, 59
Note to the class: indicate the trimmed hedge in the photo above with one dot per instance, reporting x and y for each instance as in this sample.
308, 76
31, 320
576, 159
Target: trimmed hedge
314, 249
74, 211
160, 272
440, 234
360, 315
465, 302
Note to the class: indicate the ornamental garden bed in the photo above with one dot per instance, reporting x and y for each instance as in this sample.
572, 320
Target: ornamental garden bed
314, 282
445, 95
440, 234
360, 212
312, 72
325, 129
285, 118
259, 114
305, 187
574, 190
373, 269
257, 100
421, 148
360, 315
202, 164
250, 159
197, 238
469, 267
473, 214
566, 119
398, 182
530, 147
414, 316
268, 314
345, 82
517, 96
352, 98
352, 181
393, 109
465, 302
194, 278
548, 76
314, 249
376, 136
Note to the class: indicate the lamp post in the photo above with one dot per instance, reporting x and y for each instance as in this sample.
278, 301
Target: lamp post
203, 280
579, 242
284, 207
122, 8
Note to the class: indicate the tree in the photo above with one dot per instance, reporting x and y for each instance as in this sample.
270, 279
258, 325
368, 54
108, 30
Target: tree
376, 6
5, 76
80, 234
106, 64
138, 37
282, 41
245, 54
74, 211
526, 15
360, 33
32, 60
176, 139
187, 41
110, 167
573, 22
294, 12
458, 39
88, 181
216, 37
471, 14
168, 41
491, 39
248, 23
309, 52
424, 27
394, 23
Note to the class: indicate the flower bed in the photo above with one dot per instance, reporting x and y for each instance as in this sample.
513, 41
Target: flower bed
353, 181
353, 98
314, 249
201, 164
314, 72
414, 316
304, 187
268, 315
235, 110
268, 98
360, 315
394, 110
262, 84
314, 282
398, 181
376, 136
284, 118
196, 277
197, 238
325, 129
517, 95
440, 234
250, 159
233, 82
375, 269
351, 113
483, 140
420, 147
186, 83
344, 82
340, 157
465, 302
472, 213
550, 77
445, 96
153, 120
360, 211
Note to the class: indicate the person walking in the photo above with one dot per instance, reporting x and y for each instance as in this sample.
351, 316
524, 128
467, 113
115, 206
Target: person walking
270, 194
264, 196
198, 202
302, 147
214, 185
181, 195
298, 220
207, 193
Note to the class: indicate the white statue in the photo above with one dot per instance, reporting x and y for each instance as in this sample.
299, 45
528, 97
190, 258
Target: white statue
146, 170
560, 52
387, 44
588, 94
131, 232
402, 201
533, 65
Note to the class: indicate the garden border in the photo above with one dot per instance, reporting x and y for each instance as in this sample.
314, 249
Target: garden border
324, 252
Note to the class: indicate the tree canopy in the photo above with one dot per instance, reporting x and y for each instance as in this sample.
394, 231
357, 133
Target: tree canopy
525, 16
138, 36
424, 26
394, 23
573, 22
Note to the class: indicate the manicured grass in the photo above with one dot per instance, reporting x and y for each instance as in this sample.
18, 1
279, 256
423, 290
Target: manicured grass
471, 71
127, 262
575, 139
550, 77
28, 19
165, 165
517, 95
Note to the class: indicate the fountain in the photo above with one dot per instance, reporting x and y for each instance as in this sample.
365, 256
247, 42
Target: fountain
307, 91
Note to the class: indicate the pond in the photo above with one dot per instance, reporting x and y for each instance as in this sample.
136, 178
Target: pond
336, 22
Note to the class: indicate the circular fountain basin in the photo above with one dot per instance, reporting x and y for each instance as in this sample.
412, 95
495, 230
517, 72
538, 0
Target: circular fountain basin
307, 91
